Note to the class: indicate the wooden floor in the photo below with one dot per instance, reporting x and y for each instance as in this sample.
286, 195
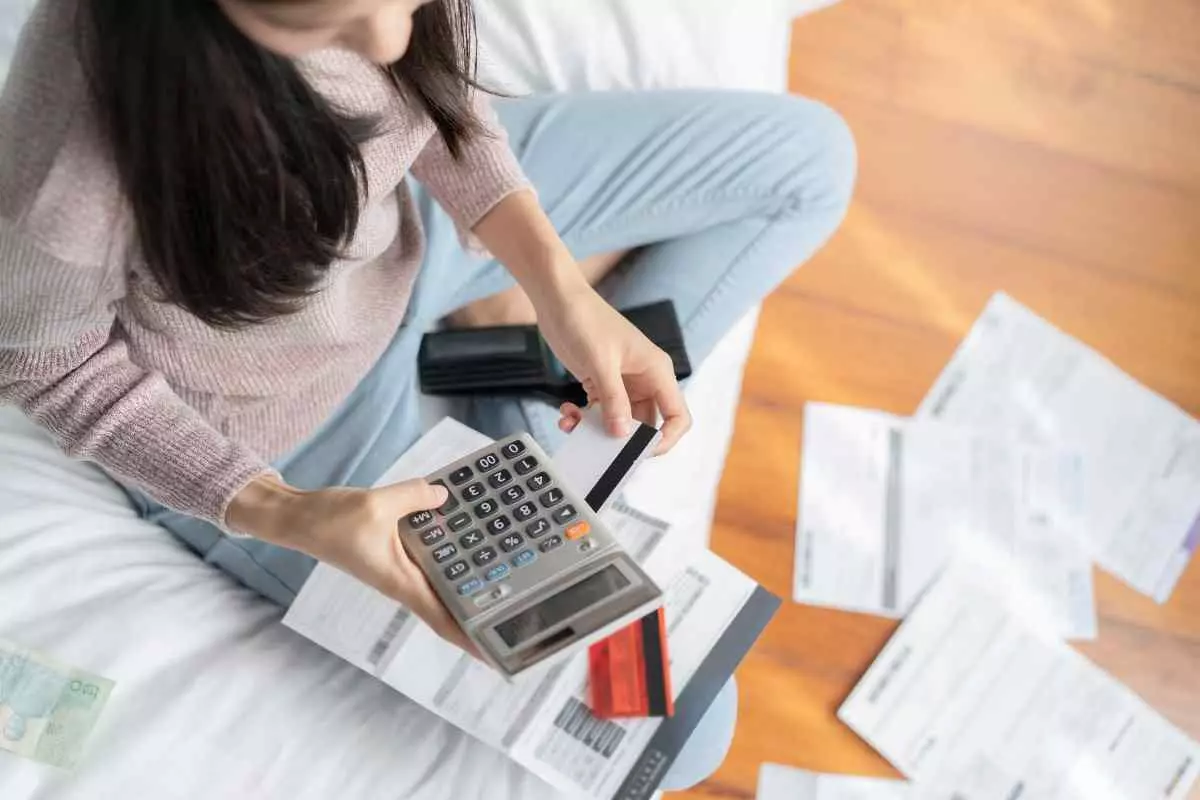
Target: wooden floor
1050, 148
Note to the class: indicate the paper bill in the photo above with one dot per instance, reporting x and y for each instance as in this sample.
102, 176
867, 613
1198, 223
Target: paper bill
886, 501
777, 782
47, 709
973, 698
1016, 374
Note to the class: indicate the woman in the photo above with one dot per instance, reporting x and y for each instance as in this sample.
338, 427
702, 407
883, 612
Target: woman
215, 272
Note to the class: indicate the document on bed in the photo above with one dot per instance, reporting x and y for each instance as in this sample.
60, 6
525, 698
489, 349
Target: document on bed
973, 698
541, 720
1017, 373
886, 501
777, 782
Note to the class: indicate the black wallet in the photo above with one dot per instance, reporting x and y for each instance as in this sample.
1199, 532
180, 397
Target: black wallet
516, 360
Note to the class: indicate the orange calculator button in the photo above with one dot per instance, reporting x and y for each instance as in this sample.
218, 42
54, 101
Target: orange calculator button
578, 530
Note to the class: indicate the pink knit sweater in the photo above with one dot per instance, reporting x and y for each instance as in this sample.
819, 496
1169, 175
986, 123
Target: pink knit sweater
188, 412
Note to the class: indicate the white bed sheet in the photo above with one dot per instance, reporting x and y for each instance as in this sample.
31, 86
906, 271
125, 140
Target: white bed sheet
214, 698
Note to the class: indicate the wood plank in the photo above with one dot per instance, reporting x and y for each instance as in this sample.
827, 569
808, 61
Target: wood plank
1041, 148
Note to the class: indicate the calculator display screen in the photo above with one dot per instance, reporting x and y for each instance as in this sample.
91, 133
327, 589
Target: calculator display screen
533, 621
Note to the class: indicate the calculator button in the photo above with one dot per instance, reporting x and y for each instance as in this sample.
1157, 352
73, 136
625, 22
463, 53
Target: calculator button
461, 476
470, 587
487, 463
538, 527
512, 494
420, 519
526, 465
524, 511
564, 514
497, 572
457, 570
451, 501
578, 530
499, 525
486, 508
538, 482
432, 535
472, 538
511, 542
513, 449
474, 492
551, 498
500, 478
459, 521
550, 544
523, 558
485, 556
445, 552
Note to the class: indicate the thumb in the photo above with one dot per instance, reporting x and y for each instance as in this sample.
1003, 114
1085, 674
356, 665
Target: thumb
609, 391
410, 496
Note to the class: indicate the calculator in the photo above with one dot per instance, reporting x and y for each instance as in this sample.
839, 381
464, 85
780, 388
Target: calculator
522, 563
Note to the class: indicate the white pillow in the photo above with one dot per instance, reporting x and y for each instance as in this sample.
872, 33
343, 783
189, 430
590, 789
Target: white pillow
541, 45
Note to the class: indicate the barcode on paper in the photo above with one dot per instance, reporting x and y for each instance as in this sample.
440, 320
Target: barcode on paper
389, 635
578, 722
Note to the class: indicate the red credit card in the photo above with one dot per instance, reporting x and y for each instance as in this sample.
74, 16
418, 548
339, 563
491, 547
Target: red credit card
629, 673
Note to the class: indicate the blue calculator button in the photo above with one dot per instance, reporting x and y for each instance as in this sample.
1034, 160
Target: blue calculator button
497, 572
524, 557
470, 587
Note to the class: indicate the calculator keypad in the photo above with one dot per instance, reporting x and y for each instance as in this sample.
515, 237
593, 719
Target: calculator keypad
499, 525
420, 519
524, 511
506, 496
445, 552
470, 539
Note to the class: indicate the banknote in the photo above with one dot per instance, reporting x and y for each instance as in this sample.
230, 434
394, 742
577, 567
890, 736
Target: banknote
47, 709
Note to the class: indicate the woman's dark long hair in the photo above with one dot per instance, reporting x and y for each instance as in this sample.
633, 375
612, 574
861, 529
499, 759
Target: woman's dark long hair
243, 182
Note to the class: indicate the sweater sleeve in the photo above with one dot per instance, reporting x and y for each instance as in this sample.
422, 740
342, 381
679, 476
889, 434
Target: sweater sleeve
470, 186
64, 362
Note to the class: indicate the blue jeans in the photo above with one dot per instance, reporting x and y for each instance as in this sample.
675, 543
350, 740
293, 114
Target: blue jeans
721, 195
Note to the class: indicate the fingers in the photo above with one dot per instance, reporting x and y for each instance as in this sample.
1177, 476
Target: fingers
608, 390
412, 589
570, 415
677, 420
410, 496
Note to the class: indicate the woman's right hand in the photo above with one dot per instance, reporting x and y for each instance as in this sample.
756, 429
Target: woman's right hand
354, 530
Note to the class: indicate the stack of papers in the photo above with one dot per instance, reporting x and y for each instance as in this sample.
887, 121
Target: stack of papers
977, 521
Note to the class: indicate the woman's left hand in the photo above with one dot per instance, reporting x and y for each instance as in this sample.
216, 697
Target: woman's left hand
620, 369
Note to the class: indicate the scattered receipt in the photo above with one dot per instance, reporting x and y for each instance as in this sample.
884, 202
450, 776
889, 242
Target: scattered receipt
972, 699
885, 502
787, 783
1017, 373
